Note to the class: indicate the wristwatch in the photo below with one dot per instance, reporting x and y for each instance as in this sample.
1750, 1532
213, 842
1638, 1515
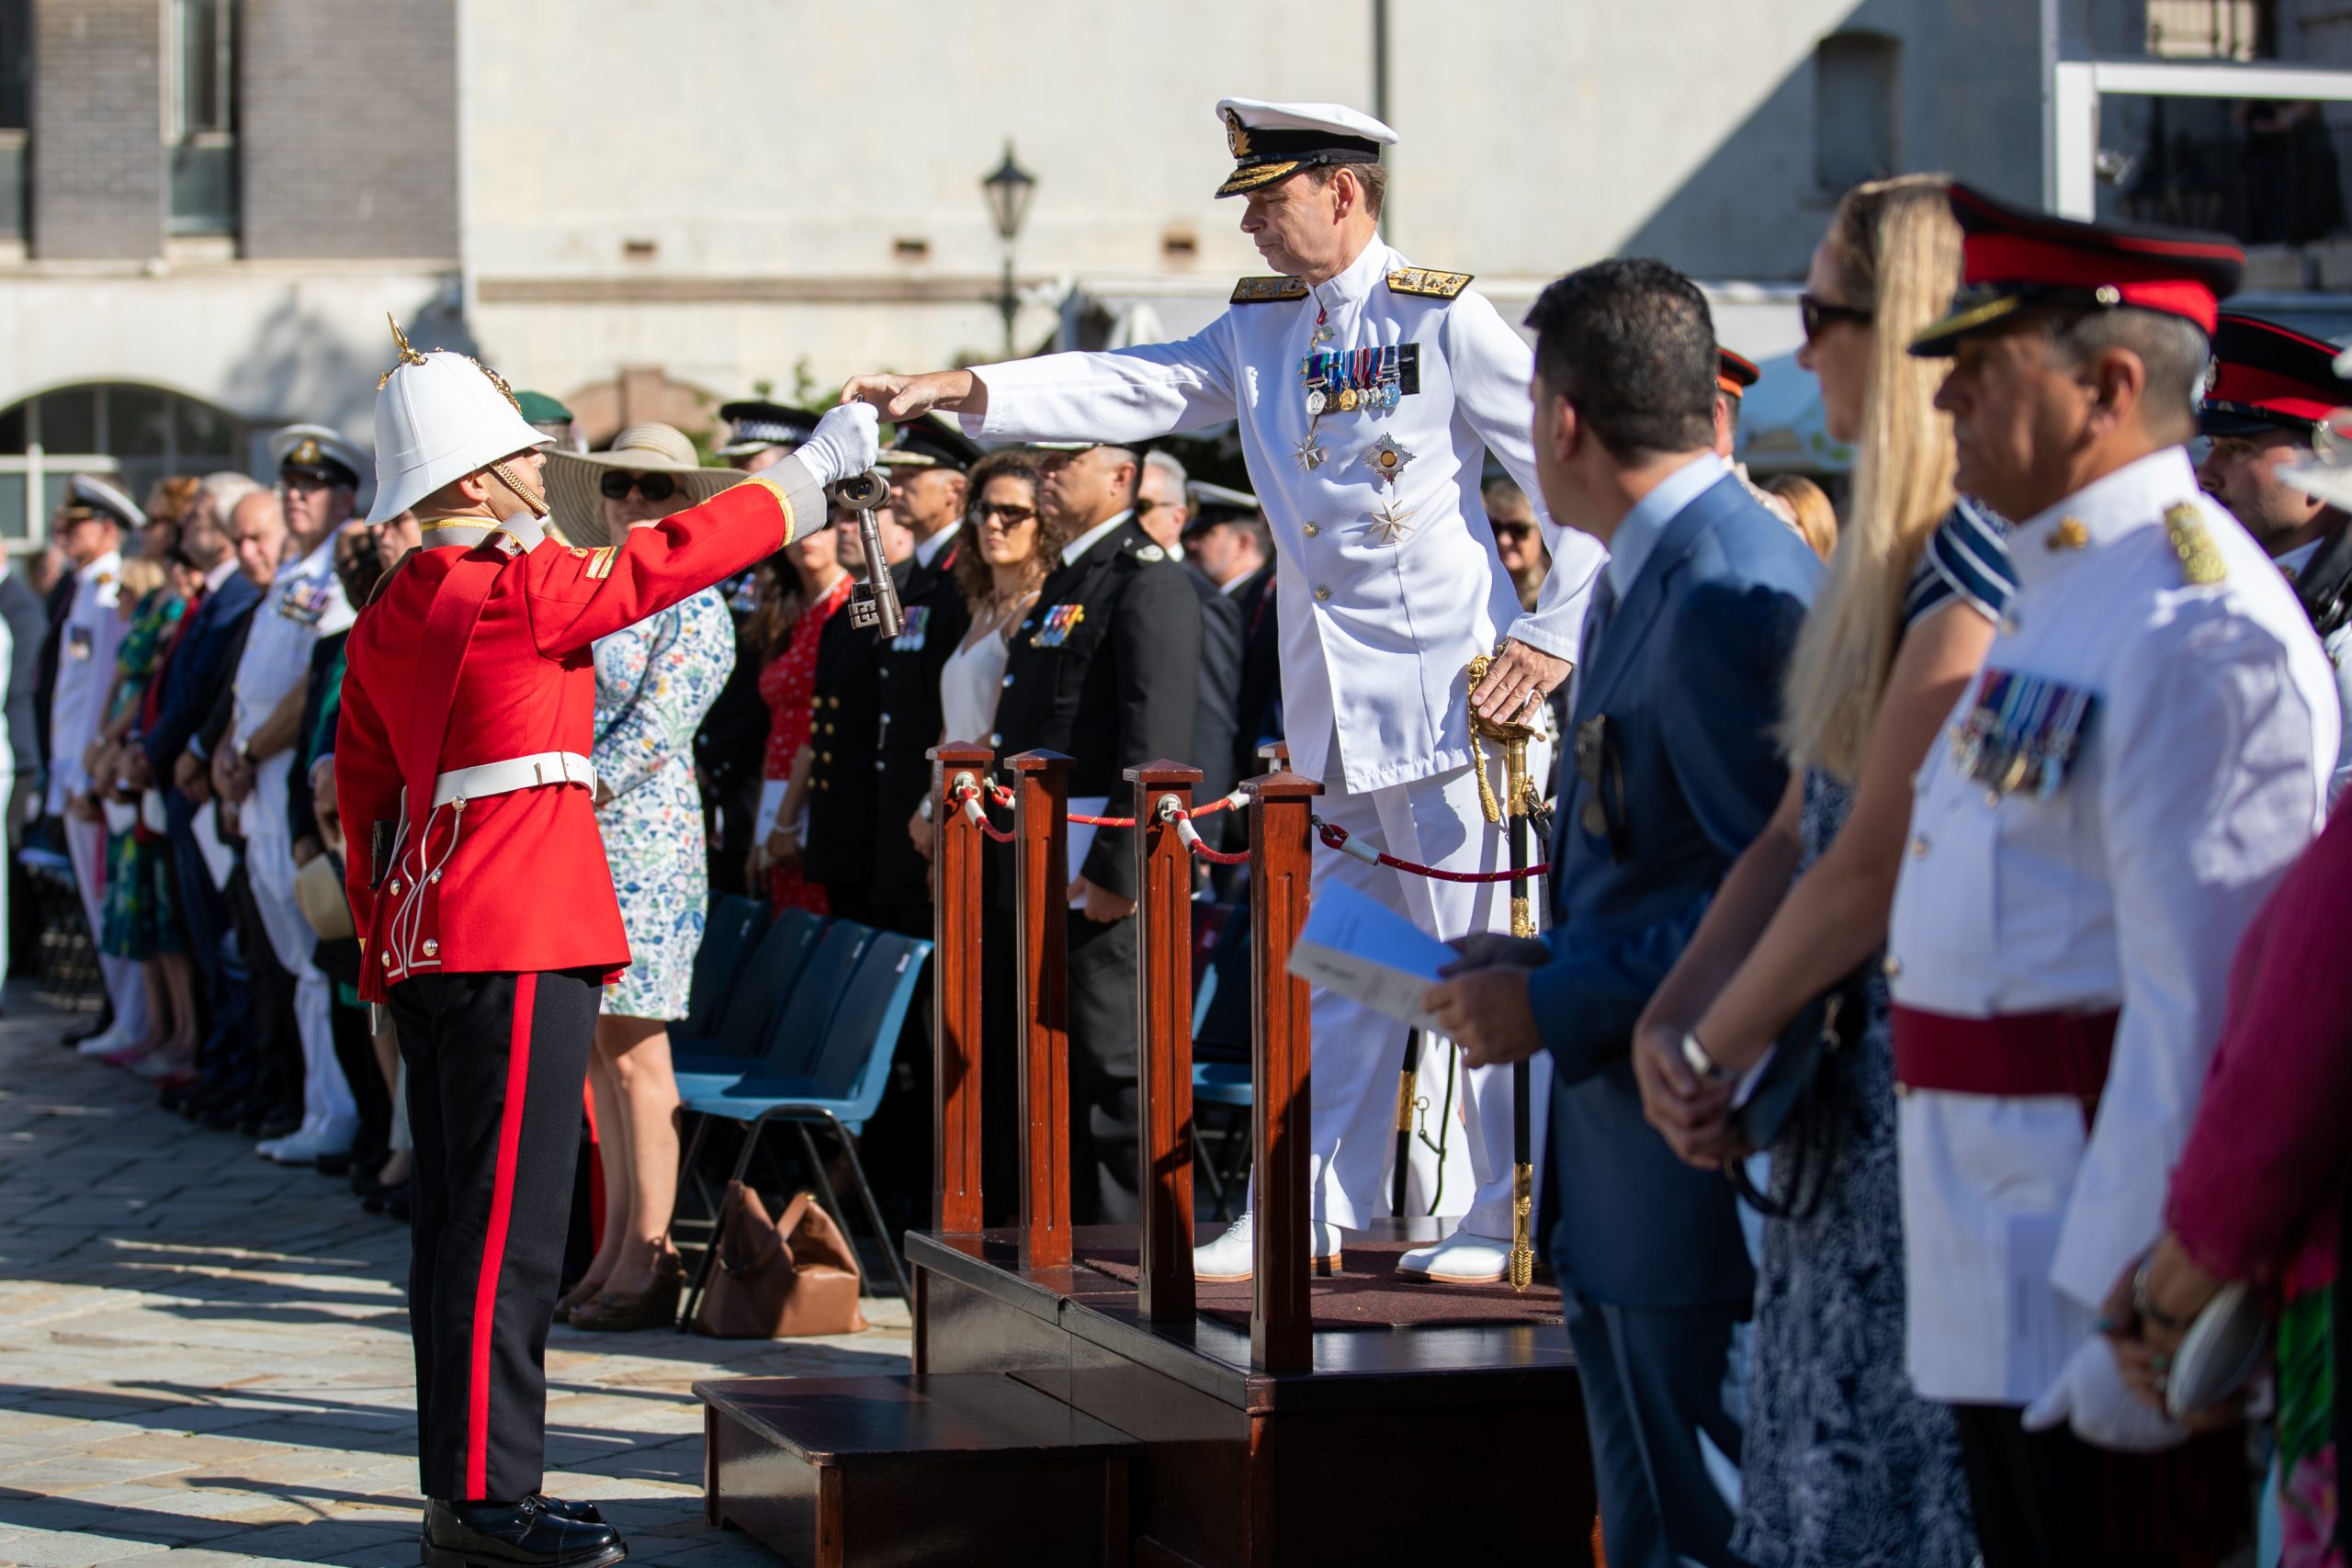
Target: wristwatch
1695, 1057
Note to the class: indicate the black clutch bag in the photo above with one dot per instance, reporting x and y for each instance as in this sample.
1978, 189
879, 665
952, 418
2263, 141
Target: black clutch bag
1785, 1094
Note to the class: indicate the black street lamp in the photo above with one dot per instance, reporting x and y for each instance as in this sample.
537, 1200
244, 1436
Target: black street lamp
1009, 189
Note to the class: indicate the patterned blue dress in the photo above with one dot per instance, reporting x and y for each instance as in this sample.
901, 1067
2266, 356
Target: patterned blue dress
1841, 1464
654, 681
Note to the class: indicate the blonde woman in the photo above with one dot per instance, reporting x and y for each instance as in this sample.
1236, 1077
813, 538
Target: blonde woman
1841, 1464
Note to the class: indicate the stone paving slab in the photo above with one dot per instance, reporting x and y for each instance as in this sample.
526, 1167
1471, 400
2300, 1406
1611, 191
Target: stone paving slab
204, 1358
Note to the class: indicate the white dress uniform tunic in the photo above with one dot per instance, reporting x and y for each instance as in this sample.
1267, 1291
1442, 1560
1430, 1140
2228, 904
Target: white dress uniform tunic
94, 631
305, 602
1388, 589
2112, 868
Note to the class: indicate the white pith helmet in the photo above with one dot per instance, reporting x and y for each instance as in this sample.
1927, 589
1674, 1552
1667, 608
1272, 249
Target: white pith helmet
439, 417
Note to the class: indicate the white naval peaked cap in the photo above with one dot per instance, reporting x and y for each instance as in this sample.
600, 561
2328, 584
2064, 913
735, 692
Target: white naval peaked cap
303, 446
97, 495
1272, 141
439, 417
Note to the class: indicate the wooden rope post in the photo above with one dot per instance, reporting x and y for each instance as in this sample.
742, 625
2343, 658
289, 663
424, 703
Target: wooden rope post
957, 913
1164, 1039
1041, 923
1282, 1323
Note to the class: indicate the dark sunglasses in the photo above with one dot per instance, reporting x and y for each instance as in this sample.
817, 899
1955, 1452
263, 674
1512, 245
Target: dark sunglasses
1818, 315
1514, 530
1007, 515
616, 484
1603, 773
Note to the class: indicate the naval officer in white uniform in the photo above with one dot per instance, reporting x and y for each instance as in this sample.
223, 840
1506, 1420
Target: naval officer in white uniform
2144, 754
1368, 391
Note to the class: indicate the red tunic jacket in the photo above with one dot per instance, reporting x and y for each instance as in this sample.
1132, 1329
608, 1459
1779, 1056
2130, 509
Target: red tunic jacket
526, 885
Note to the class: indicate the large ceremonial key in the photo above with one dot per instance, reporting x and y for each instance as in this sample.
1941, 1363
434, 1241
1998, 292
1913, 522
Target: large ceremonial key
874, 602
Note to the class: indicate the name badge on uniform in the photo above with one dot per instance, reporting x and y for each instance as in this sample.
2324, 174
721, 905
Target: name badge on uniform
1061, 621
79, 643
910, 640
2023, 733
304, 603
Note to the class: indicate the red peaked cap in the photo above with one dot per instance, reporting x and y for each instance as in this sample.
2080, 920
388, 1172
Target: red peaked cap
2014, 257
1734, 373
2268, 377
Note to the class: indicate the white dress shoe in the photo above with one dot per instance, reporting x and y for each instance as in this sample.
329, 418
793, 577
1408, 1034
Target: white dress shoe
113, 1040
1461, 1258
310, 1143
1233, 1255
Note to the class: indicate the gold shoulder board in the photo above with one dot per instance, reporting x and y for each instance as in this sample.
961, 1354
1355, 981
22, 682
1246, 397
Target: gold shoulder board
1266, 290
1421, 280
2200, 561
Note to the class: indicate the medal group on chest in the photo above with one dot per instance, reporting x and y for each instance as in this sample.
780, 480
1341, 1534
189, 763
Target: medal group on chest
1362, 380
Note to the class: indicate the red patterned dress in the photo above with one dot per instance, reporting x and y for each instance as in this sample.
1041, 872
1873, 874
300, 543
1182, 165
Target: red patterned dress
787, 683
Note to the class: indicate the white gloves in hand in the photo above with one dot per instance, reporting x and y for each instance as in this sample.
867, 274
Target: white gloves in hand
2089, 1396
846, 441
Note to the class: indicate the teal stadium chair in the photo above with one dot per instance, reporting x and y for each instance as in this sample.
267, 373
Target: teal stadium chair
838, 1084
744, 1016
732, 929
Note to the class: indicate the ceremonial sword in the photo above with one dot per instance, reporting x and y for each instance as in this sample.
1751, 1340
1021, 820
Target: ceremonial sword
1515, 816
874, 602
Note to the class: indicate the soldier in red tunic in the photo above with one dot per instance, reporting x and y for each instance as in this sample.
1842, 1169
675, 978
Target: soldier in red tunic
482, 897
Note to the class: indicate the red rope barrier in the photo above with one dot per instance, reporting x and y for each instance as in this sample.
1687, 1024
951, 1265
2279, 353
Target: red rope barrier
1336, 838
1192, 840
1003, 797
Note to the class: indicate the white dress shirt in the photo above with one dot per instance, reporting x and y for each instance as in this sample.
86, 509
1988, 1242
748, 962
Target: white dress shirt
305, 602
927, 550
2201, 776
94, 631
1376, 631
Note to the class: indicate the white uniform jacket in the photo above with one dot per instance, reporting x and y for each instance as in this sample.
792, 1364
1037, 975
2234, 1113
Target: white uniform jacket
2201, 775
1377, 622
86, 659
305, 602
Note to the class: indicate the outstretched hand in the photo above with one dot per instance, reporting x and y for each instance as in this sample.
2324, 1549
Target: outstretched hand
909, 396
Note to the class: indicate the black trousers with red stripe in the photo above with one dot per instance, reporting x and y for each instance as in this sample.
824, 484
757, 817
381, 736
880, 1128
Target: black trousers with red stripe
495, 1067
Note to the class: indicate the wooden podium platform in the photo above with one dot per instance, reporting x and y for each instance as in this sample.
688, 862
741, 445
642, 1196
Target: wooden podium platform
1060, 1415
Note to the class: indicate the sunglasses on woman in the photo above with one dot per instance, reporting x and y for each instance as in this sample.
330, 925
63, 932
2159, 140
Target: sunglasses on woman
617, 484
1006, 515
1818, 315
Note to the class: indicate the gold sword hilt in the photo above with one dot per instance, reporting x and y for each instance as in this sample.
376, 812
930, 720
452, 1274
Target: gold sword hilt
1523, 1208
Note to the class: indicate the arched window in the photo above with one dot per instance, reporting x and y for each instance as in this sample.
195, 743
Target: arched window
139, 435
1855, 77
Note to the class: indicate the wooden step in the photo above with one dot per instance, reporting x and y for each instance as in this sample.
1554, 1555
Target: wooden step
962, 1467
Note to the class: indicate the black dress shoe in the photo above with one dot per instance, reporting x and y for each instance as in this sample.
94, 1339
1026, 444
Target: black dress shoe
90, 1030
332, 1165
579, 1513
514, 1535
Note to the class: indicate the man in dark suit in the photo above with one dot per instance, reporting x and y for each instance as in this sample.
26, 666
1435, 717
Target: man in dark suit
1227, 543
1675, 769
1106, 670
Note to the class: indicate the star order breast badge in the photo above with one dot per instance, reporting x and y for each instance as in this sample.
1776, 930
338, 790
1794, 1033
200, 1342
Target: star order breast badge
1387, 459
1394, 521
1309, 454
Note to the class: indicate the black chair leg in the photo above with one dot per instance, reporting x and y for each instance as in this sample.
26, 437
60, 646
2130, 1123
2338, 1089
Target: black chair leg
873, 1210
1207, 1168
825, 1192
710, 1254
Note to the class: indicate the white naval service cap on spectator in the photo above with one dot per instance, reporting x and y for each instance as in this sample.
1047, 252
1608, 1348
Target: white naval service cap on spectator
439, 417
87, 494
1272, 142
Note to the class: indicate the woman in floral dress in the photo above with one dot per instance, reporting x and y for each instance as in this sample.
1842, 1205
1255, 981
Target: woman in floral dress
654, 682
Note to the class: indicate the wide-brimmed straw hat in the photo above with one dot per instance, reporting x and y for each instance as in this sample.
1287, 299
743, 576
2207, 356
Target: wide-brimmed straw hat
573, 477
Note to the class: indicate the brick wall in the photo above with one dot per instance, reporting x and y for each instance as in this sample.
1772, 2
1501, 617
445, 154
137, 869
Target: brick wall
97, 147
347, 130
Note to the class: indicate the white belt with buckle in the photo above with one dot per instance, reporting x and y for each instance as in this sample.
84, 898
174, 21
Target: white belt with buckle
516, 772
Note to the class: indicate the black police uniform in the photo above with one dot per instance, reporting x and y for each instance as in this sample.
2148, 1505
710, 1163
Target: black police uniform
1106, 670
842, 731
907, 716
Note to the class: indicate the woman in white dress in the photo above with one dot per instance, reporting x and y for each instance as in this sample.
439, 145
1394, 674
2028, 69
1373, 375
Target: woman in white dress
1013, 550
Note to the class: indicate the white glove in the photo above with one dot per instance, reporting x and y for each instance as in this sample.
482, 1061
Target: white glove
2090, 1397
845, 442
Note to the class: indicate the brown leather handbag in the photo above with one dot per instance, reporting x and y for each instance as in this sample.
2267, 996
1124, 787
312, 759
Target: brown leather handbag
782, 1278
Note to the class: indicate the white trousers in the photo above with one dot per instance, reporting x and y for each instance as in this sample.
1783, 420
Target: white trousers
269, 867
85, 846
1358, 1053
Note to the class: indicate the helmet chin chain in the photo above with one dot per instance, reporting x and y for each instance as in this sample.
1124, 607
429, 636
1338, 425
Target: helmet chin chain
530, 495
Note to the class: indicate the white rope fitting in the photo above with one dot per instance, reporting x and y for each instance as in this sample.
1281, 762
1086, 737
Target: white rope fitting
1188, 835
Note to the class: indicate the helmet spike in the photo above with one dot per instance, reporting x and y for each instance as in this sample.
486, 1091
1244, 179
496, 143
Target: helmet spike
408, 355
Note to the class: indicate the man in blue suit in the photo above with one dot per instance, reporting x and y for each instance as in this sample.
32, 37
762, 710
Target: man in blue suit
201, 663
1673, 769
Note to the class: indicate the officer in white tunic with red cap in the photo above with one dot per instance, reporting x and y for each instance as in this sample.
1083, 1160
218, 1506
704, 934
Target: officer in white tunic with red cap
1368, 391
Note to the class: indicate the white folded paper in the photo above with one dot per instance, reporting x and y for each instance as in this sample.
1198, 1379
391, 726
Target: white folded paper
1359, 947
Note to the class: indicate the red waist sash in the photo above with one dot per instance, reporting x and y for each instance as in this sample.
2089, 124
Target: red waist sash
2015, 1055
